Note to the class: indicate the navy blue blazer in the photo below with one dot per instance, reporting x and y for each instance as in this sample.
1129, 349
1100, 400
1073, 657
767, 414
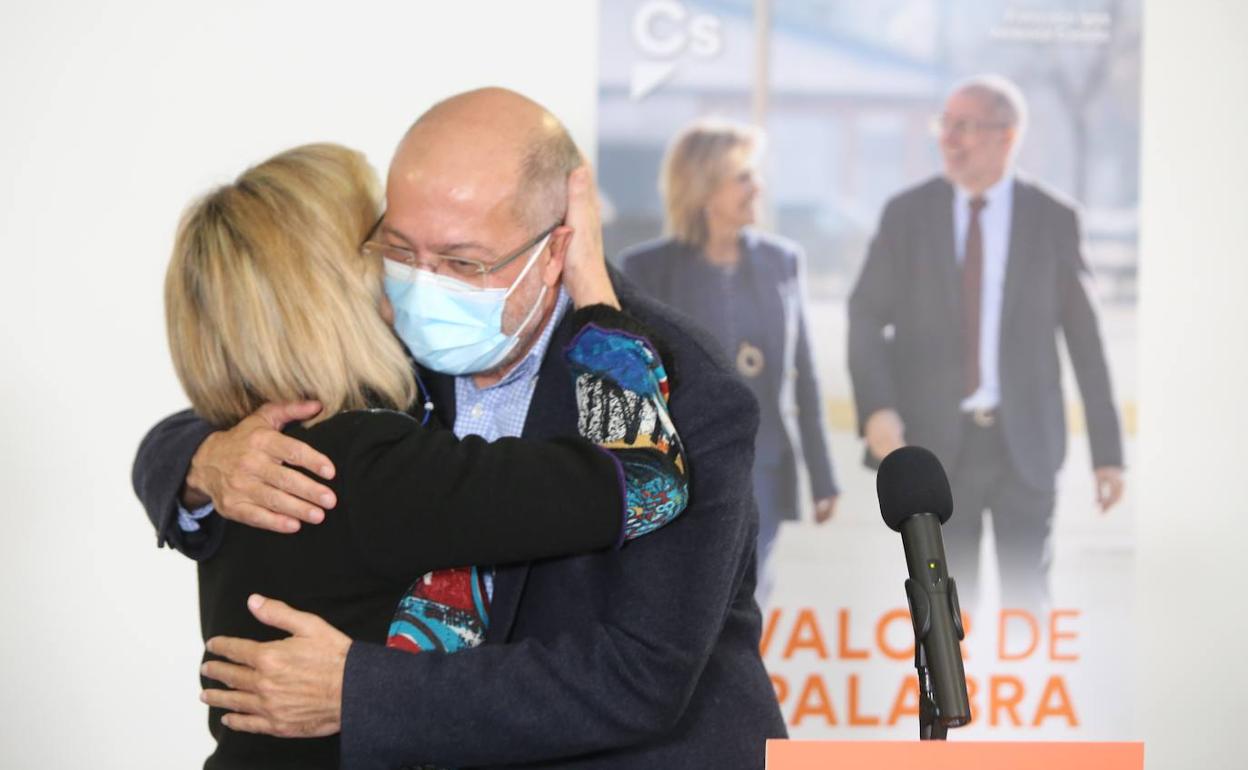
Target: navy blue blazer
910, 284
642, 657
791, 422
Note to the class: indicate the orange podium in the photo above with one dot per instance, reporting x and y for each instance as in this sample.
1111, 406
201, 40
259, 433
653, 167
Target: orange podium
952, 755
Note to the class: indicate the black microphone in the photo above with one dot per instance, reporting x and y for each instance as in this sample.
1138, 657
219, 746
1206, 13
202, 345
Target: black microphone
915, 500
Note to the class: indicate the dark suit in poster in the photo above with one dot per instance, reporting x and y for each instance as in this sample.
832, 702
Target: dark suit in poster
905, 353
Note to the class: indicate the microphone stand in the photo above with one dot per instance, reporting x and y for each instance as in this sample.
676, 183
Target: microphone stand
930, 728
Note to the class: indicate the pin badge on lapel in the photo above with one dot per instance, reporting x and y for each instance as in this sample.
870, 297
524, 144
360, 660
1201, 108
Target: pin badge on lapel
750, 361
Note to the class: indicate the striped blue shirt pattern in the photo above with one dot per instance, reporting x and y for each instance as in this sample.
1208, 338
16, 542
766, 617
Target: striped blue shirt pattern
499, 410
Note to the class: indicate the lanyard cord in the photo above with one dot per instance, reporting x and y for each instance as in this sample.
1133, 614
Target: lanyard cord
428, 401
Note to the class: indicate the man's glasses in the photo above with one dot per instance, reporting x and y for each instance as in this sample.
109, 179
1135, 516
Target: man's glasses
472, 271
944, 125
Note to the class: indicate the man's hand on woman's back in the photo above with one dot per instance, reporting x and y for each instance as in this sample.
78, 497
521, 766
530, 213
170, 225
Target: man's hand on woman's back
248, 472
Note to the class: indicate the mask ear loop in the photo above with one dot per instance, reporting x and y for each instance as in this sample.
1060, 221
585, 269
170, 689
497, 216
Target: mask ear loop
532, 261
541, 296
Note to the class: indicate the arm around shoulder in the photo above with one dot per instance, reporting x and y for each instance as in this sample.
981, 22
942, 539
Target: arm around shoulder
425, 499
160, 468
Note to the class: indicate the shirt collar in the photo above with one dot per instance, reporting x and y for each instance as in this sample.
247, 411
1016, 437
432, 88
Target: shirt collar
994, 195
529, 367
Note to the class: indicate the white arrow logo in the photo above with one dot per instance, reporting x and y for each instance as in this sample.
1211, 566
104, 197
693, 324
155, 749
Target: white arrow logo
648, 76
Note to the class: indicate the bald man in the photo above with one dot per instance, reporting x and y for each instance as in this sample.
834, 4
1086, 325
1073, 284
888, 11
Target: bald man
642, 657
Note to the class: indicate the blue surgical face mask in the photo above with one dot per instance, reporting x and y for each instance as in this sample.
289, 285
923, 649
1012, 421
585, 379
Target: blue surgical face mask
450, 326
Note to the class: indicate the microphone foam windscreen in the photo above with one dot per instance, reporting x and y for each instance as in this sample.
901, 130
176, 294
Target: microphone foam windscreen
911, 480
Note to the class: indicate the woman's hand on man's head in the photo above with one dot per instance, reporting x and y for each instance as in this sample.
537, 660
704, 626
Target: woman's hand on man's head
585, 265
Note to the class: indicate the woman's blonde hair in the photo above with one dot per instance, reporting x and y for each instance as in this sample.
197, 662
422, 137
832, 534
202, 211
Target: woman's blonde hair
267, 297
693, 167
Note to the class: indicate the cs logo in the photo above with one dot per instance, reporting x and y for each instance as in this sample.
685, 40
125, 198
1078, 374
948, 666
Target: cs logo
664, 30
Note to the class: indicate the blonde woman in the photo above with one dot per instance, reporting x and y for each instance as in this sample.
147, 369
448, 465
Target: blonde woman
744, 287
269, 298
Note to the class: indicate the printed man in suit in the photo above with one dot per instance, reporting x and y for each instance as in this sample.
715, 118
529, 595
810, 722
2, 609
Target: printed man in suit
642, 657
953, 341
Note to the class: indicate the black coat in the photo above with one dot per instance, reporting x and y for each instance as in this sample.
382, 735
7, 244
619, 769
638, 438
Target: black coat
411, 500
910, 285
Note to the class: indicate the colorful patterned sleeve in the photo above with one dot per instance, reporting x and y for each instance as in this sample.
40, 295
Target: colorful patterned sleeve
621, 396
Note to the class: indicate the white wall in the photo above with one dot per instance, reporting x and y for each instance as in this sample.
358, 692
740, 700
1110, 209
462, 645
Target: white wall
116, 115
1193, 670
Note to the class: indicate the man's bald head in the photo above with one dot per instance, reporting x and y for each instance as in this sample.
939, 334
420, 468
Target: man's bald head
475, 179
499, 139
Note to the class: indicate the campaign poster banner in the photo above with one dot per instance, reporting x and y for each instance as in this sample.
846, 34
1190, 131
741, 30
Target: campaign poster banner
852, 99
